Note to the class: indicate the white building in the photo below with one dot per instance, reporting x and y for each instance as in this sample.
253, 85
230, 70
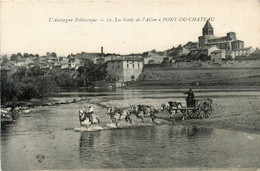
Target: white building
243, 51
126, 69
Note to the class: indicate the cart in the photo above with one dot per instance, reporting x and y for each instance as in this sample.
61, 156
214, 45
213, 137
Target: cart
201, 108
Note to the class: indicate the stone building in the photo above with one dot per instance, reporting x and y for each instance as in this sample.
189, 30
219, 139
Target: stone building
125, 69
228, 42
218, 55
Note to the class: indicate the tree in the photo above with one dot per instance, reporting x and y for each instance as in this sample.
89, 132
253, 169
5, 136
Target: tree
36, 71
13, 57
53, 54
91, 72
19, 54
5, 60
25, 55
48, 54
21, 72
45, 86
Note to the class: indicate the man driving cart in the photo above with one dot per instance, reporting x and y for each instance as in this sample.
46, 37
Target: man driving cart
190, 98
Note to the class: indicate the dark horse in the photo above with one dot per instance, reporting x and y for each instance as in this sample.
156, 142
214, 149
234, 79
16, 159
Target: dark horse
147, 110
116, 114
173, 108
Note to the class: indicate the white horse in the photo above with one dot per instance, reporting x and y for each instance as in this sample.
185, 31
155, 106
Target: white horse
84, 118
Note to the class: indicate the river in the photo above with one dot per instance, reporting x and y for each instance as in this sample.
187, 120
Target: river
50, 132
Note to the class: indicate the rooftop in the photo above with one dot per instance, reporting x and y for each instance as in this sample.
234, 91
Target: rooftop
208, 25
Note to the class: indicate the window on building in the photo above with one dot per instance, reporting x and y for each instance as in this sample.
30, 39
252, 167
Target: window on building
133, 65
118, 66
132, 77
127, 66
138, 65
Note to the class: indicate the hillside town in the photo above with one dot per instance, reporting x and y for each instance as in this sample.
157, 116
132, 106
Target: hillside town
209, 52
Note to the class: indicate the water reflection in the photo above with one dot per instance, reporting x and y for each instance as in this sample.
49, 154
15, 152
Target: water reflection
87, 146
190, 131
142, 146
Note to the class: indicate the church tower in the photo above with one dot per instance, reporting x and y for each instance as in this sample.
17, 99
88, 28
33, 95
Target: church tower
207, 29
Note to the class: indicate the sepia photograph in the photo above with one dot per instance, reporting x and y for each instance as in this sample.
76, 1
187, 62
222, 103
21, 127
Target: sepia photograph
127, 85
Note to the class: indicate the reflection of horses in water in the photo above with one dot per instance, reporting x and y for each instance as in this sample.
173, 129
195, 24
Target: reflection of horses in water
87, 143
173, 108
84, 118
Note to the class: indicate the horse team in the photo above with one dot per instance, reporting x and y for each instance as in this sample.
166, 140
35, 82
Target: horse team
117, 114
139, 111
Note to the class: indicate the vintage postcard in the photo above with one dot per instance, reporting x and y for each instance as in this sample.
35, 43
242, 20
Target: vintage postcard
127, 85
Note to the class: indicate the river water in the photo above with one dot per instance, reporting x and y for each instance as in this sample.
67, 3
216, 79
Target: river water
50, 132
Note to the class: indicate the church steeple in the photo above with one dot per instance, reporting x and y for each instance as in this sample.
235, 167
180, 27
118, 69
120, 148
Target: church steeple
208, 29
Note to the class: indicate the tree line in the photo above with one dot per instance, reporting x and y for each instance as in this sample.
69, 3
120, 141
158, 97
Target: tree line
26, 84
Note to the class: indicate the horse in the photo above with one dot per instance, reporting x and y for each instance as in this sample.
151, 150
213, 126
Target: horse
152, 110
85, 120
143, 108
137, 109
116, 114
173, 108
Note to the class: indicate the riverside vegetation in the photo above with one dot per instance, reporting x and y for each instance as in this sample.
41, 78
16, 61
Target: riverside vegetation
26, 84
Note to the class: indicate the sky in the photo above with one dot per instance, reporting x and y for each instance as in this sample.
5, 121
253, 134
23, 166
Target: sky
30, 27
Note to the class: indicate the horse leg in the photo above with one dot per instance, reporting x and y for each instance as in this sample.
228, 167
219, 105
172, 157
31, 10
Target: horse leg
127, 118
98, 120
152, 117
130, 120
139, 117
113, 119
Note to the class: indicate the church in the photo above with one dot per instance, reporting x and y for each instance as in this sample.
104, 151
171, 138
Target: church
230, 43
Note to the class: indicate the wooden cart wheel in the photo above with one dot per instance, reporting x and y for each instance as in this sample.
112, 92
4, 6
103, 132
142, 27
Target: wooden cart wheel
205, 109
193, 113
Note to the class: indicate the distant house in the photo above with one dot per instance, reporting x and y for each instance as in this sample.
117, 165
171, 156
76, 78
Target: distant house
256, 54
51, 59
65, 66
23, 62
218, 55
242, 52
87, 56
100, 60
204, 51
184, 51
125, 69
153, 58
177, 52
63, 60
